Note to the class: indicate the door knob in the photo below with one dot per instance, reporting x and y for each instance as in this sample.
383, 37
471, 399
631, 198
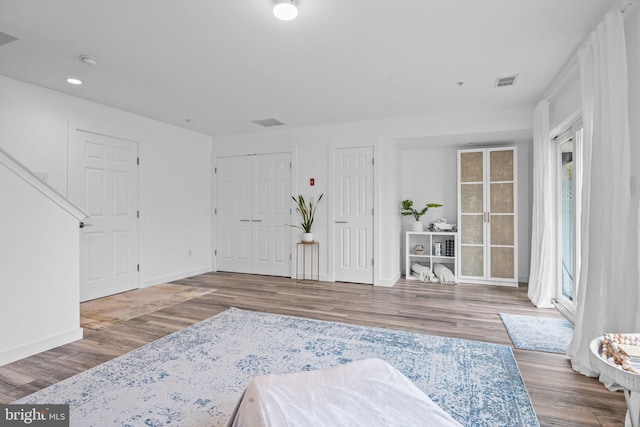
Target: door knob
83, 225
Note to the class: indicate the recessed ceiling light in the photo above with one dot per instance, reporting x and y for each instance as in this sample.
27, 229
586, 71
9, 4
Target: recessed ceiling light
285, 10
74, 81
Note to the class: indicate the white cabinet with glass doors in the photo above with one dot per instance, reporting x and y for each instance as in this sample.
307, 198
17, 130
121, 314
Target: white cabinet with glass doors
487, 216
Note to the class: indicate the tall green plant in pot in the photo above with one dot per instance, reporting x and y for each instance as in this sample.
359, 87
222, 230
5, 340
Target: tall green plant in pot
307, 211
408, 209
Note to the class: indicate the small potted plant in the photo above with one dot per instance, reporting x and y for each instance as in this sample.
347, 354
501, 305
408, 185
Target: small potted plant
308, 212
408, 209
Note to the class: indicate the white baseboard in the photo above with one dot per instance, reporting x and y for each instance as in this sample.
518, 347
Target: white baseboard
321, 278
177, 276
523, 279
39, 346
388, 282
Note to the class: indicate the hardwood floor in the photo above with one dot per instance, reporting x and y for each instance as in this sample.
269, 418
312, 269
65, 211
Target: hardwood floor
560, 396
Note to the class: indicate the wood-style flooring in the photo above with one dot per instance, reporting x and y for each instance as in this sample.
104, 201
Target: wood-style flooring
560, 396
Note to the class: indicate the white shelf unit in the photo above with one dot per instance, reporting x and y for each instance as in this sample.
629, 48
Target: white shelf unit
428, 239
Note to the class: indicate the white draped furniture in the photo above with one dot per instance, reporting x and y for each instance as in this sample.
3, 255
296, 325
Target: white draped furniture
365, 393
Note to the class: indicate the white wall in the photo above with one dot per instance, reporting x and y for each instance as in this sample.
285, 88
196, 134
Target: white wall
176, 209
389, 208
39, 289
429, 175
632, 31
525, 199
175, 189
311, 145
174, 172
566, 99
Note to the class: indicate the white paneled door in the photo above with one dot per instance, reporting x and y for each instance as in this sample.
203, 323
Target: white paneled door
233, 214
253, 206
106, 187
271, 203
353, 214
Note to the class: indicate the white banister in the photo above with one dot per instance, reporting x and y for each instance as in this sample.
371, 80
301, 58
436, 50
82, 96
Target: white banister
43, 187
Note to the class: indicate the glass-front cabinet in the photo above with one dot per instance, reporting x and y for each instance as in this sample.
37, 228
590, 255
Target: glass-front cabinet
487, 220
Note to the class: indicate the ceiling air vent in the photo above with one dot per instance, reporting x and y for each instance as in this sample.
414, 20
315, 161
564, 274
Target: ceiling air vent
6, 38
268, 122
506, 81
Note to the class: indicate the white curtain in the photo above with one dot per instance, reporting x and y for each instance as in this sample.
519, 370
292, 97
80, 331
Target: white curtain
542, 282
608, 283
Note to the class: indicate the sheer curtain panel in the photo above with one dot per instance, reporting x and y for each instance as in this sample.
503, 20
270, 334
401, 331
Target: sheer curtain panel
608, 282
542, 276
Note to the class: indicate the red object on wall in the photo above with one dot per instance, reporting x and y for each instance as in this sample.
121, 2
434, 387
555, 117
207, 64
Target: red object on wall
312, 182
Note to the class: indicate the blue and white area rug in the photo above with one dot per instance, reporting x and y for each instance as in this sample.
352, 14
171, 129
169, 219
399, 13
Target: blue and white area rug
196, 376
538, 333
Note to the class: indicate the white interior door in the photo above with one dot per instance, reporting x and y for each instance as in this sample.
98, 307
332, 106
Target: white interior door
271, 204
253, 206
107, 190
233, 214
353, 214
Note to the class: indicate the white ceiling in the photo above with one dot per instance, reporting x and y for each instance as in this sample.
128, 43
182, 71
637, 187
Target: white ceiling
224, 63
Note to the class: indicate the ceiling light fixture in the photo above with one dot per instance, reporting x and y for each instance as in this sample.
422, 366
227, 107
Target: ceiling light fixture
285, 10
89, 60
74, 81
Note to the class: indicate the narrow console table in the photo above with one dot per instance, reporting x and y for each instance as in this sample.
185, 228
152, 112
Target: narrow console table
314, 249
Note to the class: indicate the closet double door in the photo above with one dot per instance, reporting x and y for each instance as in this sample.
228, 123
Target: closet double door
253, 197
487, 219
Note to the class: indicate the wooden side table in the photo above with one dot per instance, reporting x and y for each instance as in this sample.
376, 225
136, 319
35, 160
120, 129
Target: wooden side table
314, 248
629, 381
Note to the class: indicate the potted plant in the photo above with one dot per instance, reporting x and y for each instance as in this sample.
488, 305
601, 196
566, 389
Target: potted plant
308, 211
408, 209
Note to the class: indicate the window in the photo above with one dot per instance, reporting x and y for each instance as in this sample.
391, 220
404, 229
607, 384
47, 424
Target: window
568, 187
